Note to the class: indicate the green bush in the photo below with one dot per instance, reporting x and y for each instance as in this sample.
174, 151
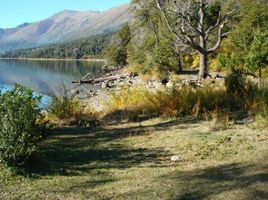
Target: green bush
64, 108
19, 132
64, 111
235, 83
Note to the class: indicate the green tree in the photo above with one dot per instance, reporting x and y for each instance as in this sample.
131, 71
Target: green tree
117, 51
153, 40
257, 58
19, 132
253, 15
92, 46
252, 19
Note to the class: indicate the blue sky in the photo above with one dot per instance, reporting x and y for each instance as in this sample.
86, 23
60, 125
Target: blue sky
15, 12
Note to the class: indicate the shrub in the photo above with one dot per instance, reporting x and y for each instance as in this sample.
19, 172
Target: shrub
235, 83
64, 108
19, 132
64, 111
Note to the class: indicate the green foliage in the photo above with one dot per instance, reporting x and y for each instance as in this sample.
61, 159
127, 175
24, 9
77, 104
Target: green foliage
165, 57
247, 45
235, 83
116, 52
153, 46
19, 132
124, 35
116, 55
253, 16
258, 53
231, 61
212, 13
92, 46
64, 108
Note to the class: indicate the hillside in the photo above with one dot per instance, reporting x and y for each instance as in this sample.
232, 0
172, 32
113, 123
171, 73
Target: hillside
64, 26
92, 46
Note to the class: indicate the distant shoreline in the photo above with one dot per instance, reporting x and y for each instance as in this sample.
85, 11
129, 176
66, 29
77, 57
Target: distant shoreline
57, 59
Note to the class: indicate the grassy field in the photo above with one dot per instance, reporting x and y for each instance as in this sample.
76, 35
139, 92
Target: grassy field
133, 161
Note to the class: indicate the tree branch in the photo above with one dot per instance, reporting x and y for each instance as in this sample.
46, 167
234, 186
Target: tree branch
167, 21
218, 22
220, 38
183, 35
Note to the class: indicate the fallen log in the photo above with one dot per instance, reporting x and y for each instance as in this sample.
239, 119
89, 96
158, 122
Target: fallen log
80, 82
100, 80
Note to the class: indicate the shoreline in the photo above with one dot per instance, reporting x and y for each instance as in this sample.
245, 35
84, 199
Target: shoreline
57, 59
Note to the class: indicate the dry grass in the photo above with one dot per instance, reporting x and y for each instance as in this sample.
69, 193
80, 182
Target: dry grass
186, 101
220, 120
64, 111
200, 103
132, 161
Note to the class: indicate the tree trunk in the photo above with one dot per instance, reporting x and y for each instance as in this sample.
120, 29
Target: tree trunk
260, 77
203, 71
178, 56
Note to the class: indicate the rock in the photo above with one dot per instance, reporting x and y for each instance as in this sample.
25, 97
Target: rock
218, 76
104, 85
164, 81
195, 82
133, 74
176, 158
170, 84
157, 85
74, 93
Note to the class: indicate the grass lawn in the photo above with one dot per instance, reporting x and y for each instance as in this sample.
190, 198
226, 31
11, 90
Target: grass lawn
132, 161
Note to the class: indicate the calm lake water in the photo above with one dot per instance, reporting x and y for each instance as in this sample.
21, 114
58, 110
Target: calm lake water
46, 77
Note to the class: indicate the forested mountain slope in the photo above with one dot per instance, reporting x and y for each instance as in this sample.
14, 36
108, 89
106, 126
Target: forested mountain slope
64, 26
90, 47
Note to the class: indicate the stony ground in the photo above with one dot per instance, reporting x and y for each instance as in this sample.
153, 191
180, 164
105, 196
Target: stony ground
133, 161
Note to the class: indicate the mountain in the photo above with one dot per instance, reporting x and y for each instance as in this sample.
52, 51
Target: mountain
64, 26
90, 47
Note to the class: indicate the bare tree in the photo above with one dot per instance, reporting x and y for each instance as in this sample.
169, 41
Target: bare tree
191, 29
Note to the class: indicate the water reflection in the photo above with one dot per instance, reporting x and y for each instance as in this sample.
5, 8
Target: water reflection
46, 77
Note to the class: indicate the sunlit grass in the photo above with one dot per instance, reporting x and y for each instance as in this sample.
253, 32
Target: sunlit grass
132, 161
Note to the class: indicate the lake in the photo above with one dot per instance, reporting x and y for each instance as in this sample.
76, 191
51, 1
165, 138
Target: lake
47, 77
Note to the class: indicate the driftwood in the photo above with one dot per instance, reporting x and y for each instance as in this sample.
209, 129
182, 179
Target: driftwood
98, 80
105, 79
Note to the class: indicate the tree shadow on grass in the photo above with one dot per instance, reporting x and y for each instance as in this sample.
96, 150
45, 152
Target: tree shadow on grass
139, 130
100, 134
71, 152
121, 116
208, 182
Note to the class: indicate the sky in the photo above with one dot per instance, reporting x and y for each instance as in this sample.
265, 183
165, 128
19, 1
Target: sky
16, 12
